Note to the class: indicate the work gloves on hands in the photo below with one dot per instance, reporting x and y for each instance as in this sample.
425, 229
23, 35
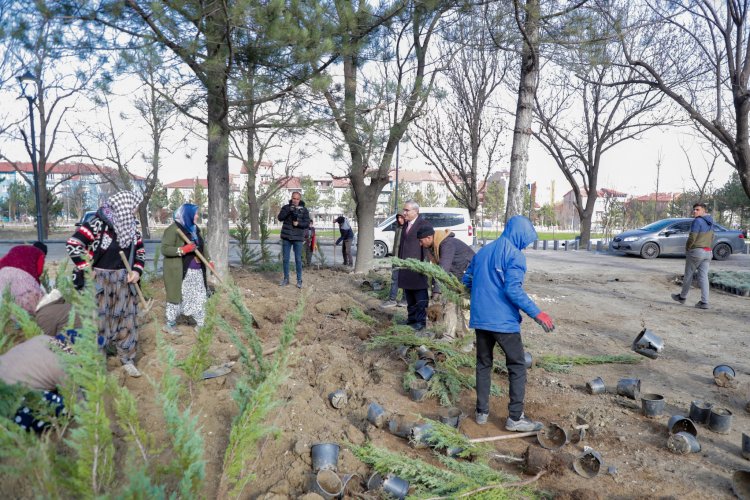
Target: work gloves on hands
186, 249
545, 322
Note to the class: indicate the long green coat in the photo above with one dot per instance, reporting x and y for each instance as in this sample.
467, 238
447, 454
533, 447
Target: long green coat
175, 267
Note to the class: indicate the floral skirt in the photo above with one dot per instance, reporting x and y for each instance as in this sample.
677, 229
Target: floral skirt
193, 299
117, 302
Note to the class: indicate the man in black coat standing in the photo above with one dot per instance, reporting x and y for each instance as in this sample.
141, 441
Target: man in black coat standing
296, 219
413, 283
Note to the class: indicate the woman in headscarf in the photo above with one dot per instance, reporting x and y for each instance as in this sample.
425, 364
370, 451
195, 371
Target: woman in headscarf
97, 243
20, 270
184, 273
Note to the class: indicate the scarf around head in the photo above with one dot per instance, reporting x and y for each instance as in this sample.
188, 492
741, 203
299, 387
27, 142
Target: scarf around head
118, 211
26, 258
185, 216
437, 240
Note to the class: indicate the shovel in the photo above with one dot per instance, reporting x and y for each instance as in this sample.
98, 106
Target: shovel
200, 255
146, 306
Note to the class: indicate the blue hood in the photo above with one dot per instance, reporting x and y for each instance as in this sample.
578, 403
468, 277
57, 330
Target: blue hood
520, 231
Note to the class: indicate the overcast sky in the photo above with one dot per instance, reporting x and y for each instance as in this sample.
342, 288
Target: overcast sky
630, 167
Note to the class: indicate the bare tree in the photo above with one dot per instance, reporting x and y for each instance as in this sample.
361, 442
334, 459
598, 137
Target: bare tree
462, 139
696, 52
702, 183
611, 116
46, 48
372, 109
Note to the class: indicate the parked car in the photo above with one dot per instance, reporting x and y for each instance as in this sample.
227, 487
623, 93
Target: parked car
86, 217
455, 219
669, 236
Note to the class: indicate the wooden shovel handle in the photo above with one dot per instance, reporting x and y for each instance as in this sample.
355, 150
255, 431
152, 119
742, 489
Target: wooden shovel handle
137, 288
200, 255
504, 437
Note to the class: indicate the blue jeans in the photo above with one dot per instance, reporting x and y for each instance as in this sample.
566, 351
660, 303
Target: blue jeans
286, 248
394, 285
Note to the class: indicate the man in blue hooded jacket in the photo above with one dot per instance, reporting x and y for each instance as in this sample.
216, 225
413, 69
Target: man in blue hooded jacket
698, 255
495, 278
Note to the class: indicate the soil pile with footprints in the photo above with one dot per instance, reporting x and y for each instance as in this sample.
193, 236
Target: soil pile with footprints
598, 309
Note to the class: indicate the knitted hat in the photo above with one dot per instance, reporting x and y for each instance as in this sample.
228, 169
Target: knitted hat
425, 231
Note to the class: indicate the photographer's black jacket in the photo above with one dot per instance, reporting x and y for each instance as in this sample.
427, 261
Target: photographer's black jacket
287, 215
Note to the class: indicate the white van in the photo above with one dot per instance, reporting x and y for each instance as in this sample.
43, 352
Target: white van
455, 219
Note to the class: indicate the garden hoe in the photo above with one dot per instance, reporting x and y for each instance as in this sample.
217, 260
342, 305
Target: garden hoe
145, 305
200, 255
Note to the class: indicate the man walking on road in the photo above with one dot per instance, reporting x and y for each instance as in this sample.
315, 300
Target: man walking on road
495, 278
296, 219
413, 283
698, 255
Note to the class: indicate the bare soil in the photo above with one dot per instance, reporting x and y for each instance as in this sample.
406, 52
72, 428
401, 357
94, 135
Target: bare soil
599, 304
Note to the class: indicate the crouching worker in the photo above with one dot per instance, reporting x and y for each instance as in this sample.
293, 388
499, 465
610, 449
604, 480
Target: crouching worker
454, 256
184, 272
35, 364
495, 278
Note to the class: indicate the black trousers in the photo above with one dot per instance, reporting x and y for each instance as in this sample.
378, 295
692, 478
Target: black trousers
512, 346
416, 307
346, 251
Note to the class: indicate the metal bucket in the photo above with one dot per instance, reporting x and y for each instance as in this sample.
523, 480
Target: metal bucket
678, 423
720, 420
746, 446
418, 390
648, 344
376, 414
741, 484
325, 456
552, 437
652, 405
450, 416
338, 398
699, 411
683, 443
589, 464
629, 387
596, 386
327, 484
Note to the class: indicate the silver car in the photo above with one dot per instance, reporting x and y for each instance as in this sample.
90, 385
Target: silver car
669, 236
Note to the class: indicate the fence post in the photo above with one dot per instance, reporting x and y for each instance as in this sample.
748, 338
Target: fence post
556, 244
544, 245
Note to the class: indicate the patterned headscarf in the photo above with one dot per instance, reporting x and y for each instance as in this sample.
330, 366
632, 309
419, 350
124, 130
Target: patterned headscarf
119, 210
26, 258
185, 216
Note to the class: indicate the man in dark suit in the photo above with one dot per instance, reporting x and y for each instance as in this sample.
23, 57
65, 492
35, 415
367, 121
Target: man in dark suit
413, 283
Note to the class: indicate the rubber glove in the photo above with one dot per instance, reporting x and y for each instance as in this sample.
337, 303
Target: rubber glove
545, 322
186, 249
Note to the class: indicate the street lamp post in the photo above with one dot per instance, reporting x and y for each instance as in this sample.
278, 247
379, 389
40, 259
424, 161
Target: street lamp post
29, 92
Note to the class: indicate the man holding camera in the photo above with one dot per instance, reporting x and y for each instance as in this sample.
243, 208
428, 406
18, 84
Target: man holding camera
296, 219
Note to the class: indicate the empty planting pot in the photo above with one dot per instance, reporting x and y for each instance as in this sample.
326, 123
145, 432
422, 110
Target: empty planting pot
450, 416
351, 483
552, 437
420, 434
596, 386
683, 443
720, 420
421, 363
418, 390
746, 446
699, 411
724, 369
741, 484
678, 423
426, 354
399, 426
589, 464
425, 372
391, 486
325, 456
629, 387
652, 405
648, 344
327, 484
528, 360
724, 376
376, 414
453, 451
338, 398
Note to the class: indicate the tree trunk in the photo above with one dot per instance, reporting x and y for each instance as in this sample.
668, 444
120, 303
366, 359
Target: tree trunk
252, 204
45, 200
529, 80
143, 215
367, 199
218, 175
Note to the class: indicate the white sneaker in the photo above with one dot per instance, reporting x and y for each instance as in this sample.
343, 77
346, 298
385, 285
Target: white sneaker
131, 370
523, 424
